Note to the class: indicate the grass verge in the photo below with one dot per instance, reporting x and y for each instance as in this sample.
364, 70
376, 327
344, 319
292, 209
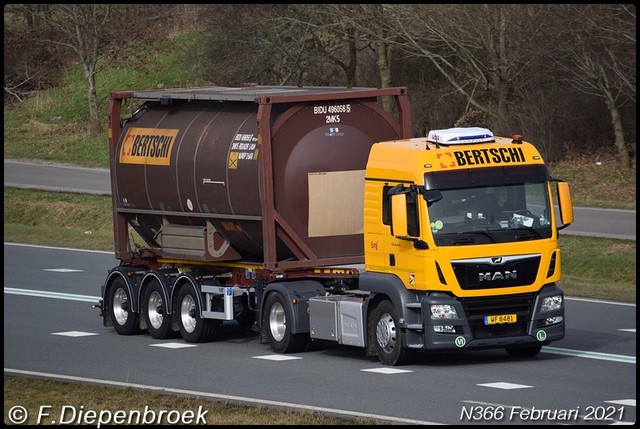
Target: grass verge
53, 402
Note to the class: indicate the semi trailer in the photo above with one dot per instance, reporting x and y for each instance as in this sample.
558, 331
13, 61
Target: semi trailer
311, 215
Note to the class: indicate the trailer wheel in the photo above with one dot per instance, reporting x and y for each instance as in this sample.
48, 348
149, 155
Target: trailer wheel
193, 328
156, 315
278, 330
125, 321
387, 338
523, 351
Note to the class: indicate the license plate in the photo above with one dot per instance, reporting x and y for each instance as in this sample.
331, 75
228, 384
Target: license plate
500, 318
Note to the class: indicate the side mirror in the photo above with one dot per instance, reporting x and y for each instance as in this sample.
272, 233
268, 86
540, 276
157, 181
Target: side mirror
399, 217
399, 224
565, 204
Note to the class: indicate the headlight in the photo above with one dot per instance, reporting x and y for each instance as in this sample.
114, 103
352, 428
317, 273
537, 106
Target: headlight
552, 303
443, 311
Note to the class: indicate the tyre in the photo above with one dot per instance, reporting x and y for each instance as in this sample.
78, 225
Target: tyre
523, 351
155, 311
386, 335
193, 328
277, 324
124, 320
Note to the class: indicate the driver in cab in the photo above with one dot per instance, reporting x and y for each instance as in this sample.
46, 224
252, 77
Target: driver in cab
498, 206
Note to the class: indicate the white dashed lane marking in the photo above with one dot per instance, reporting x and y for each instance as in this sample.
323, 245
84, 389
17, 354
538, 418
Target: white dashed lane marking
505, 386
173, 345
74, 334
386, 370
629, 402
277, 358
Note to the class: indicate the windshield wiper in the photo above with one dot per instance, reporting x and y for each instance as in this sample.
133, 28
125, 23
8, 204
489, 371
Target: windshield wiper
483, 232
525, 228
462, 237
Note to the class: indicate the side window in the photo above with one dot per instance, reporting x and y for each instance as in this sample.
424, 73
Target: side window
386, 206
413, 222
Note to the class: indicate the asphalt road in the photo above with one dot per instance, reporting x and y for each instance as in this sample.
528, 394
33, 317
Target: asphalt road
595, 222
52, 331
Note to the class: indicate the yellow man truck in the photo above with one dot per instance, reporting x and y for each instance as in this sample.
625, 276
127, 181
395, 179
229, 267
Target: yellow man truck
310, 215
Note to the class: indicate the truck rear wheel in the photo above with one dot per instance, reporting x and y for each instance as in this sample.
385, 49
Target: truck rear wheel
277, 323
193, 328
155, 313
386, 334
125, 321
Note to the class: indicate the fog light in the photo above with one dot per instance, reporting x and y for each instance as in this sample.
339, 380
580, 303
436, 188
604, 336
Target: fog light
552, 320
445, 329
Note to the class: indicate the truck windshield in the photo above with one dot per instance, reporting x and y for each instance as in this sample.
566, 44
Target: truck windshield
501, 206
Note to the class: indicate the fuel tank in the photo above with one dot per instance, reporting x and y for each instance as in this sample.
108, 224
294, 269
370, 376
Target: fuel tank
248, 173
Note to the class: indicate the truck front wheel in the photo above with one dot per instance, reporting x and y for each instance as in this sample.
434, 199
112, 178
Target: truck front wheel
124, 320
386, 335
277, 323
193, 328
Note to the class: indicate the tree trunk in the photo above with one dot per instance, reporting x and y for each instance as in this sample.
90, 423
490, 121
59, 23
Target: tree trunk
618, 131
95, 126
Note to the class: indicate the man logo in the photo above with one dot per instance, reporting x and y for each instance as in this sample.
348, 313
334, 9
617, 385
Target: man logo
497, 275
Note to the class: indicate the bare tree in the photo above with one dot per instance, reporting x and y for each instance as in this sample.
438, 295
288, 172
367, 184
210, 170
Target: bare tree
82, 27
601, 60
341, 33
29, 66
482, 50
295, 44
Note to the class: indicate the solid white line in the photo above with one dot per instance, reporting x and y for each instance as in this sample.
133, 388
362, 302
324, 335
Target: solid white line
49, 294
59, 248
600, 301
590, 355
220, 397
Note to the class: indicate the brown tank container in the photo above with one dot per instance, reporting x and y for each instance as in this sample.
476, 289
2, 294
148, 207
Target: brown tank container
273, 175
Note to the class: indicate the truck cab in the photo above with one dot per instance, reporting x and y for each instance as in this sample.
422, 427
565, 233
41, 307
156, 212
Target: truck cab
474, 279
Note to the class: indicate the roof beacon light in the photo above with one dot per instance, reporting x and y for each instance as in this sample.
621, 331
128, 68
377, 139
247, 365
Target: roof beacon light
460, 136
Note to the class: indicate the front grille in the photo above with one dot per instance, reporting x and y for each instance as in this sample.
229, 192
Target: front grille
481, 274
477, 308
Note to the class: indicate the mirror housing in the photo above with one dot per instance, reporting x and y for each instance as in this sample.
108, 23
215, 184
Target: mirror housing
399, 221
399, 226
565, 204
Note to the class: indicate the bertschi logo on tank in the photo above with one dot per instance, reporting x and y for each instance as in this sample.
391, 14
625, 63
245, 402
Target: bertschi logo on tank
151, 146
